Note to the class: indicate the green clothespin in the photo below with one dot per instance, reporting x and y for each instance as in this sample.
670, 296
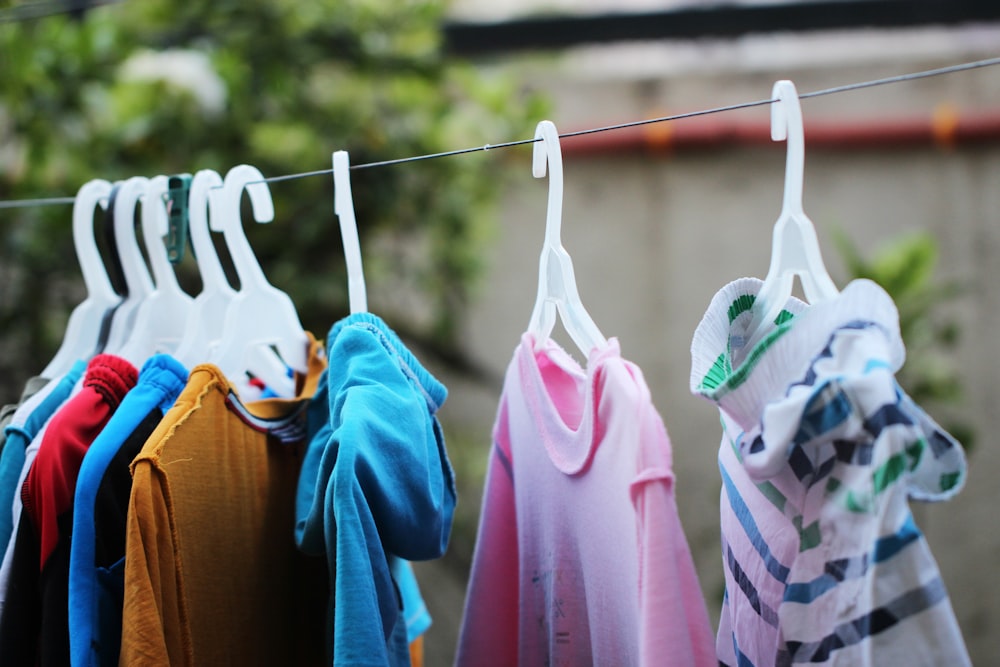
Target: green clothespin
178, 188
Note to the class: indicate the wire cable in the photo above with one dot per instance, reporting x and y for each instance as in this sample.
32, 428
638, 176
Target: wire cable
987, 62
27, 203
31, 11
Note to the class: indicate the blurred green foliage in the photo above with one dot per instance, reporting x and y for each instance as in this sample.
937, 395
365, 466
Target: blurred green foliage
154, 87
905, 269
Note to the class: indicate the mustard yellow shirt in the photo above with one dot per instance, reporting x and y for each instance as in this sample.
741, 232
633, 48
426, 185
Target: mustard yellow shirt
212, 573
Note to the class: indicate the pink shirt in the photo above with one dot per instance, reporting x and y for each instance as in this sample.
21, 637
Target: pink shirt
580, 557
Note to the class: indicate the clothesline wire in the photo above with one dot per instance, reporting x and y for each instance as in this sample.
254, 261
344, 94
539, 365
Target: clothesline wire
30, 11
648, 121
912, 76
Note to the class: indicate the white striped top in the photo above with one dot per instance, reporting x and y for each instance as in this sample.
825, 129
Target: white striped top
821, 452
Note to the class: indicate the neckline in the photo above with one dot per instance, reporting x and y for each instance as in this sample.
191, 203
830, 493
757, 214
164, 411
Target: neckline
745, 390
267, 409
570, 446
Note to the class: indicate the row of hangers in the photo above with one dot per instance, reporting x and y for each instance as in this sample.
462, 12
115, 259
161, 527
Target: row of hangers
256, 329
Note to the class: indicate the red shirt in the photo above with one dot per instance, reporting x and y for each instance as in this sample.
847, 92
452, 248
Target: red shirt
48, 489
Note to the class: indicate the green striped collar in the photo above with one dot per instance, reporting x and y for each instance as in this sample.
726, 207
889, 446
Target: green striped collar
742, 388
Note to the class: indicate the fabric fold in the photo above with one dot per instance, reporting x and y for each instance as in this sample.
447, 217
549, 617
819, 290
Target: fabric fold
376, 487
821, 452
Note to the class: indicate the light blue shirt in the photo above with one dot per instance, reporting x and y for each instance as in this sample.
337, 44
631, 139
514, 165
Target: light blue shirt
375, 487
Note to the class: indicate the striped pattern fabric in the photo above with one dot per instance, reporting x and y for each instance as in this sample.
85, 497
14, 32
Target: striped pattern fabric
821, 453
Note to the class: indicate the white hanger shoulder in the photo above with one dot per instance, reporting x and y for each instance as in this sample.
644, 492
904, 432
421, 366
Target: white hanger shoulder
208, 314
343, 204
83, 329
138, 283
557, 292
162, 316
794, 246
260, 314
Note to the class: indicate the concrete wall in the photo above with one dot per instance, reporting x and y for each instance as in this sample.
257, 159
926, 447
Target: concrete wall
654, 237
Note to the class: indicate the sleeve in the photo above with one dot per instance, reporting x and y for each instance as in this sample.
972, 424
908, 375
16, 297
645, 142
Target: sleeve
391, 490
310, 506
489, 633
415, 614
674, 625
822, 431
857, 445
154, 623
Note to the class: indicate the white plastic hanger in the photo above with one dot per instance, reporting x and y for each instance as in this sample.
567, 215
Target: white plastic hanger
83, 329
208, 313
161, 318
137, 279
556, 280
260, 314
795, 248
343, 205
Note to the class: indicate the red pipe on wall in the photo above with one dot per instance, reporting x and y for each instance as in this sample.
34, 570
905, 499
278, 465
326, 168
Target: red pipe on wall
945, 128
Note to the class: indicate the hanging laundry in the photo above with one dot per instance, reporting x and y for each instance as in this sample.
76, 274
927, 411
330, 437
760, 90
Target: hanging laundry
33, 625
376, 487
97, 554
26, 423
581, 558
212, 573
821, 451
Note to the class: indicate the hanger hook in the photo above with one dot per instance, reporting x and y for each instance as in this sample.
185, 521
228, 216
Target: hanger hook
95, 276
205, 194
154, 228
86, 322
137, 279
547, 156
239, 178
343, 205
786, 124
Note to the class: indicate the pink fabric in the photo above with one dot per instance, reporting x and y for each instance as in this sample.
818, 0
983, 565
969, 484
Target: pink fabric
580, 557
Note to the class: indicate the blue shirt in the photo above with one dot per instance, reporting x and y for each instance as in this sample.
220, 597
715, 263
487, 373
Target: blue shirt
375, 487
20, 435
97, 554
